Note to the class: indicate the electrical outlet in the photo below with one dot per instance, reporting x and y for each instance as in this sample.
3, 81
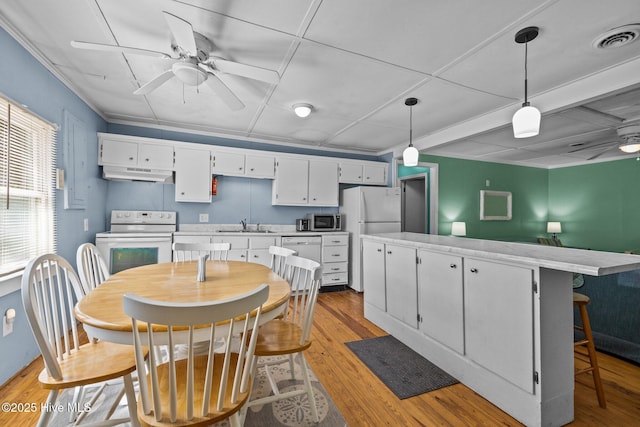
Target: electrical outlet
487, 183
86, 224
204, 217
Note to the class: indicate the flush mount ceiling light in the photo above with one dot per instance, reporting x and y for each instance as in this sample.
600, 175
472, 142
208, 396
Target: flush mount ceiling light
302, 110
410, 154
526, 121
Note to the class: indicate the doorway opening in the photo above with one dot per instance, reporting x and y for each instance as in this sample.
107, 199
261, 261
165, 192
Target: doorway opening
419, 186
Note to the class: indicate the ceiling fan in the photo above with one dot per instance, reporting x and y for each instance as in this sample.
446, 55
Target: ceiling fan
193, 64
628, 135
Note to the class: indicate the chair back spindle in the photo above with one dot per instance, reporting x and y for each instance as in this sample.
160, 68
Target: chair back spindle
211, 386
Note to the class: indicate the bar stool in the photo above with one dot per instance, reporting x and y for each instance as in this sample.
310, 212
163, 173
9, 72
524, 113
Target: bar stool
581, 302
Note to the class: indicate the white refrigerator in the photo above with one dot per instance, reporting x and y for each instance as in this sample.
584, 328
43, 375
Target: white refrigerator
367, 210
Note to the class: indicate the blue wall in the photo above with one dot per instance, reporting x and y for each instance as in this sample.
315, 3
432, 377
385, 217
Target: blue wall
25, 81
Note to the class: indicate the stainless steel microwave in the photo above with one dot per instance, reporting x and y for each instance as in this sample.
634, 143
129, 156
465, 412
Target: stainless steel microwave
324, 222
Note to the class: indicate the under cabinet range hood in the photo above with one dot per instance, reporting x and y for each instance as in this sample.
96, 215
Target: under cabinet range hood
124, 173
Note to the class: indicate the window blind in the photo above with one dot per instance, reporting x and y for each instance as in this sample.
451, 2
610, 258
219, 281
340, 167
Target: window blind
27, 169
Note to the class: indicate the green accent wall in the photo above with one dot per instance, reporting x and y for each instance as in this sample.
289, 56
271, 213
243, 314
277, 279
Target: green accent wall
598, 205
459, 185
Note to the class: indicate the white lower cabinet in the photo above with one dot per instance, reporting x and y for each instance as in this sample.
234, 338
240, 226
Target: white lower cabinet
391, 282
402, 284
239, 246
259, 249
335, 259
499, 333
373, 276
440, 293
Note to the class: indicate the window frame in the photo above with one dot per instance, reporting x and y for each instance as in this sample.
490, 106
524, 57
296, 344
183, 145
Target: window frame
28, 146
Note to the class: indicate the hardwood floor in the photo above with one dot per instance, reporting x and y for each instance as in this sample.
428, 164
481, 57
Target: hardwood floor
365, 401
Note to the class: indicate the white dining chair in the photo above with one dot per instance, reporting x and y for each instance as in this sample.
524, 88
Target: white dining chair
278, 258
192, 251
201, 389
49, 285
91, 267
291, 334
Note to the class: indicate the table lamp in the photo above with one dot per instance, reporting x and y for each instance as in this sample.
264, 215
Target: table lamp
459, 229
554, 228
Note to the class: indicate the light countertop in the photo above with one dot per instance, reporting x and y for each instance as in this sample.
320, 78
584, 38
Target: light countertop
593, 263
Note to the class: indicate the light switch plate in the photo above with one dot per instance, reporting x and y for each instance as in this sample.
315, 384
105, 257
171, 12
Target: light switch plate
204, 217
7, 328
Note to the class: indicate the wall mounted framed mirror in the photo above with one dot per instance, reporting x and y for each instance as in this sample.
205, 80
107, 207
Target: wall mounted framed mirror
495, 205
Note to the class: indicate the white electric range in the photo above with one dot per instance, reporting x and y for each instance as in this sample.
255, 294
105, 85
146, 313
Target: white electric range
137, 238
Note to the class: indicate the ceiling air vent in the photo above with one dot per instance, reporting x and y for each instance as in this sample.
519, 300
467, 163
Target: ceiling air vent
617, 37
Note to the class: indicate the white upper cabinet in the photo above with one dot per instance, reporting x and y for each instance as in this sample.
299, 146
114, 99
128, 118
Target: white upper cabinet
193, 175
239, 163
323, 183
227, 163
361, 172
259, 166
351, 173
301, 182
375, 174
118, 152
291, 186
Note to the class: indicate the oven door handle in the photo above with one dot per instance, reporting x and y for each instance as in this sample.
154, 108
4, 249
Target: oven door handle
112, 240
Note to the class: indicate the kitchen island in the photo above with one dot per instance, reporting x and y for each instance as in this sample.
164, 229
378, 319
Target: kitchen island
497, 316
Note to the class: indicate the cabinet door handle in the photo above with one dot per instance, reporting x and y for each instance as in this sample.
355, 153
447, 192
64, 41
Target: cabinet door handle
335, 254
146, 160
130, 158
453, 265
379, 250
389, 252
474, 270
335, 269
255, 256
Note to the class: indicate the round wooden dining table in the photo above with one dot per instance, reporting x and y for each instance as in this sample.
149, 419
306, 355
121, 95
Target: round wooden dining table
102, 316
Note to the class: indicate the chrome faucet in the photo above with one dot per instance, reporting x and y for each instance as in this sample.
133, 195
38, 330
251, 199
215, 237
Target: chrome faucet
244, 224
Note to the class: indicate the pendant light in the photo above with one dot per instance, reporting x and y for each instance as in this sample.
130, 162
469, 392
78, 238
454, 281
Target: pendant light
526, 121
410, 154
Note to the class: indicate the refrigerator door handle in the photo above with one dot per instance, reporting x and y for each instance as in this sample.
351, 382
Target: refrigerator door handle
363, 206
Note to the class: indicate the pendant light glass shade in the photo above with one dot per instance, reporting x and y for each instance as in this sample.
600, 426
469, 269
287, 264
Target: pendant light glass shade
526, 122
410, 154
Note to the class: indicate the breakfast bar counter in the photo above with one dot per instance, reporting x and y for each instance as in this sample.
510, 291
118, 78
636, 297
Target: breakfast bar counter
496, 315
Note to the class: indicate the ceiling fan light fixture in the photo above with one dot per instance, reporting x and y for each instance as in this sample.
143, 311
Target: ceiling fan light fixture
630, 136
302, 110
410, 154
526, 121
189, 73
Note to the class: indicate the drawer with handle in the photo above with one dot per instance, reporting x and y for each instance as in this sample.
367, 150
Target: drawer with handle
334, 279
335, 254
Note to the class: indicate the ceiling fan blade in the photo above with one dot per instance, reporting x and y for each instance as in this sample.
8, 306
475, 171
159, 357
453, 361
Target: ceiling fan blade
602, 152
182, 33
119, 49
225, 94
154, 83
588, 147
248, 71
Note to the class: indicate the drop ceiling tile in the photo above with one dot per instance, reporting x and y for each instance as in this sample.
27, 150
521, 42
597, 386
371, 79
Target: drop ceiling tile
282, 15
368, 136
340, 83
465, 148
410, 33
317, 127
